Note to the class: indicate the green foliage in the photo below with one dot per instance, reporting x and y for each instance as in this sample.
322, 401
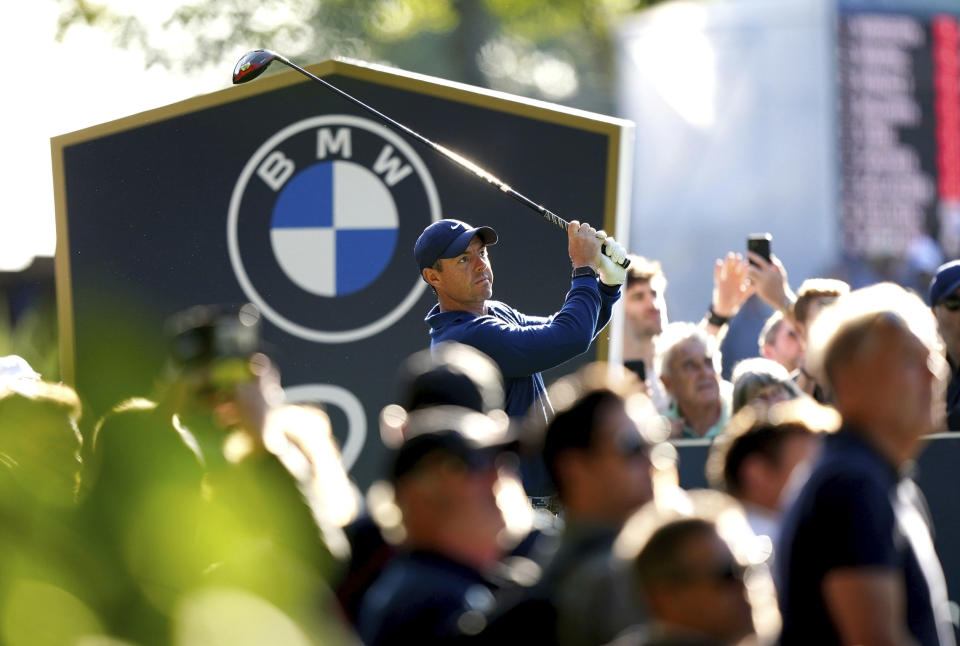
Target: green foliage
558, 50
127, 30
542, 21
399, 20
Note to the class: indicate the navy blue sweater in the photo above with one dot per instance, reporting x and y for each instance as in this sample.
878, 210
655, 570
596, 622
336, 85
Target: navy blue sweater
522, 345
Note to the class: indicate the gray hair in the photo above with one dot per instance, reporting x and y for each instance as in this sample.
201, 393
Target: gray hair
677, 333
839, 332
753, 374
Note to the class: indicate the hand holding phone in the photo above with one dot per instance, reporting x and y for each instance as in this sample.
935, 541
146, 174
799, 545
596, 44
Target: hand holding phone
759, 243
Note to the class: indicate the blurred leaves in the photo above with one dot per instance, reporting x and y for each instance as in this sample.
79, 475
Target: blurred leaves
398, 20
559, 50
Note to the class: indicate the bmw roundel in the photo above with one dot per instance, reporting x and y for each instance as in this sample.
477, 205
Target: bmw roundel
322, 223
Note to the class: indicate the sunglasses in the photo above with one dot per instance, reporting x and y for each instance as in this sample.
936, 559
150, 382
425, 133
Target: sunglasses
630, 444
951, 302
730, 573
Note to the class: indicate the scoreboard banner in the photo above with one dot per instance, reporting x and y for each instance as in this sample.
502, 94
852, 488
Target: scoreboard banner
285, 195
898, 83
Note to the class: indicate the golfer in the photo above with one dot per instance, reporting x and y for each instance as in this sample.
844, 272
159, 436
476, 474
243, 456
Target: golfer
453, 260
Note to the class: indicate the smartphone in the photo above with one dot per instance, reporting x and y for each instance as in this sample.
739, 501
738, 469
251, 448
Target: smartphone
206, 333
638, 367
759, 243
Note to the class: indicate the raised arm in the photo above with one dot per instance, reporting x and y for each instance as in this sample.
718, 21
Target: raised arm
524, 345
521, 349
730, 291
770, 281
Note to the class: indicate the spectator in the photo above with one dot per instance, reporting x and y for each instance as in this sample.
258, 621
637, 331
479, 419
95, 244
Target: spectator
800, 309
442, 586
50, 579
218, 497
759, 450
761, 380
856, 561
451, 374
596, 451
688, 362
645, 313
944, 298
780, 342
39, 438
814, 295
440, 379
690, 564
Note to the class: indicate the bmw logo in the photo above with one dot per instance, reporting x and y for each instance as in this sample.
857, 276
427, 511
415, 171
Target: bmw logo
322, 223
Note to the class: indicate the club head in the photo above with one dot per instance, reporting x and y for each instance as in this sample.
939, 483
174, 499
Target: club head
252, 64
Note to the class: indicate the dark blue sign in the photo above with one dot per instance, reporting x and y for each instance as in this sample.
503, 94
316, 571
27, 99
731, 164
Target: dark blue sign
283, 194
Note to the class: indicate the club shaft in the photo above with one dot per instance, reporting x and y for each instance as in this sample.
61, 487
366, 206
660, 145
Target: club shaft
456, 158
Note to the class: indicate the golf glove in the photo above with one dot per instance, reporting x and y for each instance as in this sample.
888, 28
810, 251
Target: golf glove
611, 273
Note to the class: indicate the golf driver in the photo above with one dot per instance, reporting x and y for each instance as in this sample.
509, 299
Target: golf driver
254, 63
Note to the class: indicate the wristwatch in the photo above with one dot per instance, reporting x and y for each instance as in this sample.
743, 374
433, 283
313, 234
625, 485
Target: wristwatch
715, 319
585, 270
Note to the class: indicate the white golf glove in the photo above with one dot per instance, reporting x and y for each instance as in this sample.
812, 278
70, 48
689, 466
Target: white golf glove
611, 273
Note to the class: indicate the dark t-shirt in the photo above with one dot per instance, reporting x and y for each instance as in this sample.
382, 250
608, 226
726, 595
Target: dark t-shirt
585, 595
425, 598
857, 511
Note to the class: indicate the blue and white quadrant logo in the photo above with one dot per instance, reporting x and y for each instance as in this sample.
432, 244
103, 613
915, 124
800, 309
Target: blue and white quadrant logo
322, 223
334, 228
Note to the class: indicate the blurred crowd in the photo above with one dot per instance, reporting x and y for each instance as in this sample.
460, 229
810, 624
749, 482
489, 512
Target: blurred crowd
210, 511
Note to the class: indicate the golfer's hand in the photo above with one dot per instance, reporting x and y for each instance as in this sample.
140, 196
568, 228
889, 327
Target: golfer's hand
611, 273
583, 244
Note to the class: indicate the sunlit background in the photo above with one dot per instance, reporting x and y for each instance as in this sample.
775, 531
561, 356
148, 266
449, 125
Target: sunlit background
59, 87
749, 116
121, 57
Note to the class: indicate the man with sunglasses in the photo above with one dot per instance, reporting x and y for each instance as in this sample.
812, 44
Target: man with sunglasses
945, 301
596, 450
690, 562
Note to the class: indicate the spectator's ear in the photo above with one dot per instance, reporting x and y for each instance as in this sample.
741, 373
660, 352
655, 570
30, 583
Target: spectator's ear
667, 383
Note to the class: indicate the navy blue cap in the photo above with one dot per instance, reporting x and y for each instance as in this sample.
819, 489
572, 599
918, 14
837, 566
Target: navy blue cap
476, 439
945, 282
450, 374
448, 239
